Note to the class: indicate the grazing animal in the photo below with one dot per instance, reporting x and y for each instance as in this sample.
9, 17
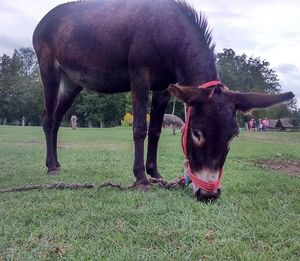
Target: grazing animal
112, 46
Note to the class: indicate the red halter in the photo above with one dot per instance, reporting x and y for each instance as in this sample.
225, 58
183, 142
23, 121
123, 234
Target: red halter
207, 186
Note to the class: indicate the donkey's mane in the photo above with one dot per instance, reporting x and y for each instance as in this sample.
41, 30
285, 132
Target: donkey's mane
199, 20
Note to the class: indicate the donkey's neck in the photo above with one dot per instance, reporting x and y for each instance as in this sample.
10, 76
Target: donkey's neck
195, 65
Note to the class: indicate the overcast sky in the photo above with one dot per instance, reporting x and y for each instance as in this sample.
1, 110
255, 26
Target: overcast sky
269, 29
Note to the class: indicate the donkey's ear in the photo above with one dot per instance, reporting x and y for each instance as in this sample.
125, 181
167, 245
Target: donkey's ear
247, 101
189, 95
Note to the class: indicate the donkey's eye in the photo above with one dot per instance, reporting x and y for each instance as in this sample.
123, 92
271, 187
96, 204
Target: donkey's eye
196, 133
197, 137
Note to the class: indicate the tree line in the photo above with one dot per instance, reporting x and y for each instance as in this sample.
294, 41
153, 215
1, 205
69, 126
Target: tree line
21, 92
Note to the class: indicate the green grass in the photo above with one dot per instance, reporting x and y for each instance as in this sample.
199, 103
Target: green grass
256, 218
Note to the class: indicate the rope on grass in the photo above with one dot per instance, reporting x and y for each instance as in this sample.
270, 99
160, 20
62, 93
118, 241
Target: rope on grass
166, 184
86, 185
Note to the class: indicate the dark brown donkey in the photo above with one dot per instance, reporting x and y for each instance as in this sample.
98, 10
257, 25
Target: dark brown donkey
114, 46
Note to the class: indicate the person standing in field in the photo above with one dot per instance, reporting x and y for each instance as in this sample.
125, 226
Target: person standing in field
251, 124
265, 123
260, 125
74, 122
23, 121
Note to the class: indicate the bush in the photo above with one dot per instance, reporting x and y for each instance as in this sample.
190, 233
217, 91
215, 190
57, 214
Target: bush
128, 119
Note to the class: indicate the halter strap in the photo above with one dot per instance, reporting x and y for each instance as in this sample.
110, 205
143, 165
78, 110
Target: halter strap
207, 186
209, 84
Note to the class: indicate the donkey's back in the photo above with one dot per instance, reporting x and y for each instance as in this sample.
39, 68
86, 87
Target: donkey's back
96, 43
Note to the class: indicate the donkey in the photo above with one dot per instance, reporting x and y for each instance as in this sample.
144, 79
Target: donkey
112, 46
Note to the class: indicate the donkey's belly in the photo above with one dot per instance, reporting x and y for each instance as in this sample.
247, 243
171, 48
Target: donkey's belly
103, 82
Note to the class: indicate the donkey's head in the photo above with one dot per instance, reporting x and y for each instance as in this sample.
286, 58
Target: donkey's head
210, 127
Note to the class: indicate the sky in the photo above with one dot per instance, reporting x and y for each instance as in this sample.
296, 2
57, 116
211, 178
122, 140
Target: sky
269, 29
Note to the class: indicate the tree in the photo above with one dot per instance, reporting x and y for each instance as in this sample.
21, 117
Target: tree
6, 95
296, 118
100, 110
246, 74
178, 110
31, 100
249, 74
20, 87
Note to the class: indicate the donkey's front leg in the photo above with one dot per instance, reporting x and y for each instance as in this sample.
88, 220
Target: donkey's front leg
139, 101
159, 103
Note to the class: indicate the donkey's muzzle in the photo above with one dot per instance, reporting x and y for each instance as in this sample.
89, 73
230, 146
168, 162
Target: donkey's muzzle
206, 196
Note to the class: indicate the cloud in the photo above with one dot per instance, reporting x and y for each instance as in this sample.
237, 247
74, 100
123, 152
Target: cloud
5, 8
268, 29
18, 20
288, 68
7, 42
15, 29
289, 75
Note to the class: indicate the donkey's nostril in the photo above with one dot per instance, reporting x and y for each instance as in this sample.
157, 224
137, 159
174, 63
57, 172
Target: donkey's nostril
205, 196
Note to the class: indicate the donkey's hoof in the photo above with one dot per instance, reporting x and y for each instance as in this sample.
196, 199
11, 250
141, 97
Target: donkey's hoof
53, 172
156, 176
143, 187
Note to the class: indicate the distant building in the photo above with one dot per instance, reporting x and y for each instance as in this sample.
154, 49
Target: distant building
281, 124
170, 120
272, 124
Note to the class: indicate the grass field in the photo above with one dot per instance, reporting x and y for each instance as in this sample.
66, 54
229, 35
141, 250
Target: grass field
256, 218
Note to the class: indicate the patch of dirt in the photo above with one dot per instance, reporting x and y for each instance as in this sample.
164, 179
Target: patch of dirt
290, 167
32, 141
64, 146
112, 146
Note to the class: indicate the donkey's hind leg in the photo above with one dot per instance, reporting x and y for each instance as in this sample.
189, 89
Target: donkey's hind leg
59, 94
67, 93
51, 77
